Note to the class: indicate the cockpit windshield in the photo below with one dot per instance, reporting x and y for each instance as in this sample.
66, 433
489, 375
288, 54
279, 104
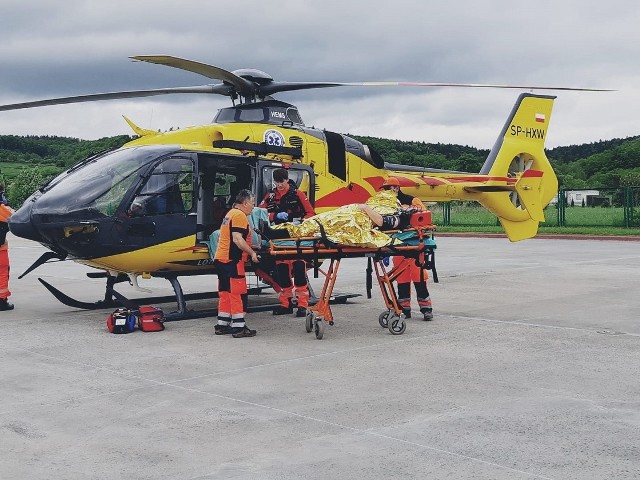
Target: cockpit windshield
99, 183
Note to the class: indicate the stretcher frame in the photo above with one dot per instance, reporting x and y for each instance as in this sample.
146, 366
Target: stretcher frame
315, 250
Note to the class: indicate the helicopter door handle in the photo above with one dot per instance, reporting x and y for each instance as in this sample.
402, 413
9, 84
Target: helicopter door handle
142, 229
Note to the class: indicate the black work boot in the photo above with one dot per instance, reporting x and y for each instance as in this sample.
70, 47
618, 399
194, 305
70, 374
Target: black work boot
280, 310
244, 332
406, 312
222, 330
301, 312
428, 314
5, 305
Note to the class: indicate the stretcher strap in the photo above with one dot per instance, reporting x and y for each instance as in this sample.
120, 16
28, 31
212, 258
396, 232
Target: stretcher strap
433, 266
325, 239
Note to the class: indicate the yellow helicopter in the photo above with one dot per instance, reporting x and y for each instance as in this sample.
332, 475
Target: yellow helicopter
144, 210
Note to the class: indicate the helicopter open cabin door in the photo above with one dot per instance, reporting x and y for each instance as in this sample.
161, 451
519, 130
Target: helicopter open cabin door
220, 178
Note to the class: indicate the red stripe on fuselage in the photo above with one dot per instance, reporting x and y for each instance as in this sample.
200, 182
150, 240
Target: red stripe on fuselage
344, 196
375, 182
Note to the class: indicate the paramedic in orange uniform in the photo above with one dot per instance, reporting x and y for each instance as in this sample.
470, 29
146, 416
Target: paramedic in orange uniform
414, 273
5, 213
234, 247
285, 203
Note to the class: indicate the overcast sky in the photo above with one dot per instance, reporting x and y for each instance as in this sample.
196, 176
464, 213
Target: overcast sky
56, 48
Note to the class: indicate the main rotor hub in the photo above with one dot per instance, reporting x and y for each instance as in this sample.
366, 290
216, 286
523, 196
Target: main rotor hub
253, 75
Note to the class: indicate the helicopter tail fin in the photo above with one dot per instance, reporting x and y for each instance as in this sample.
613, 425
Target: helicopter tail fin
138, 130
519, 152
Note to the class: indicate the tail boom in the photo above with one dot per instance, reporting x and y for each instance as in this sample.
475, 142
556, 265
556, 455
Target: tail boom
516, 181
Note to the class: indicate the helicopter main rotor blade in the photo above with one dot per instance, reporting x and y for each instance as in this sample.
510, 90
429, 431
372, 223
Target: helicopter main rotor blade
277, 87
217, 89
468, 85
245, 87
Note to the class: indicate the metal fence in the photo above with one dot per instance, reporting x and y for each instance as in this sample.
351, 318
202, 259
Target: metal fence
603, 207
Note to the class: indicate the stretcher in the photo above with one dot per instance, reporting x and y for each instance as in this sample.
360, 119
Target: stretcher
416, 243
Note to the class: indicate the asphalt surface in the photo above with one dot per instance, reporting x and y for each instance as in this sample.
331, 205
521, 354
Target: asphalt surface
529, 370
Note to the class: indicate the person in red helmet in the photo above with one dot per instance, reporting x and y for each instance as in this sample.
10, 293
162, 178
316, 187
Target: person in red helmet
391, 182
285, 203
414, 273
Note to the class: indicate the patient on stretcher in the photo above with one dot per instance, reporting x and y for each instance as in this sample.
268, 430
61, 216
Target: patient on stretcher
356, 224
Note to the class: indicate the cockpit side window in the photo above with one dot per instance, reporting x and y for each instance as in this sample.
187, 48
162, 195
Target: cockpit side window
167, 190
294, 116
251, 115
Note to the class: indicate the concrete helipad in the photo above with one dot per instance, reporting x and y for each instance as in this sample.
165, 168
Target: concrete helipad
530, 369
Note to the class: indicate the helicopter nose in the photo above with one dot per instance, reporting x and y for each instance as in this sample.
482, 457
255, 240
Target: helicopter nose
21, 226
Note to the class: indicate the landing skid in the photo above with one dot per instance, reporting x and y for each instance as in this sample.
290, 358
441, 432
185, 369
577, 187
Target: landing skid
115, 299
72, 302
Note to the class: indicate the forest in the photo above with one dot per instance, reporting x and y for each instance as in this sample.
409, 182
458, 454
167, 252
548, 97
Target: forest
28, 161
604, 164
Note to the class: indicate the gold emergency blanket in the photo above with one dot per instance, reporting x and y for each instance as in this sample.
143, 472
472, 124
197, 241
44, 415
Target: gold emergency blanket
349, 225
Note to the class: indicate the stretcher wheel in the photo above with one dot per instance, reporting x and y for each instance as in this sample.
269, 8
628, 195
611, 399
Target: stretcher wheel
397, 325
319, 327
383, 319
308, 321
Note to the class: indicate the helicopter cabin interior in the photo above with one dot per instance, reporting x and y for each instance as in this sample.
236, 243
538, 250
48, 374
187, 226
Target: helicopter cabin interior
221, 178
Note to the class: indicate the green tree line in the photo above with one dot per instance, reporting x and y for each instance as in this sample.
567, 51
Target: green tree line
26, 162
60, 151
604, 164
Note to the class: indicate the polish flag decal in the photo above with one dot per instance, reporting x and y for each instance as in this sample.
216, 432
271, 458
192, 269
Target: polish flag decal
540, 117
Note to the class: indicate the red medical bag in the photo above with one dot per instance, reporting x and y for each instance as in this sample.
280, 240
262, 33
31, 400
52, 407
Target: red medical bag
150, 319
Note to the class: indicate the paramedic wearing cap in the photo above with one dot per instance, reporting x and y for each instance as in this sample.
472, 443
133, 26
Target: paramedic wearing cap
414, 273
231, 254
285, 203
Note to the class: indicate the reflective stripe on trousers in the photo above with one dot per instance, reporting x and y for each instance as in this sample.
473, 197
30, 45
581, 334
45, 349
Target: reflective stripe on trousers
4, 273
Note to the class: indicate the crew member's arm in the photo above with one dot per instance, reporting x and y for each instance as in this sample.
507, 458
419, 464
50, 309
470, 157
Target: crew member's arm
385, 222
5, 212
265, 201
417, 203
306, 205
269, 203
375, 217
242, 244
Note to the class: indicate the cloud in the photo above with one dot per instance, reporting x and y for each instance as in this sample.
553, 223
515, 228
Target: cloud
53, 49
